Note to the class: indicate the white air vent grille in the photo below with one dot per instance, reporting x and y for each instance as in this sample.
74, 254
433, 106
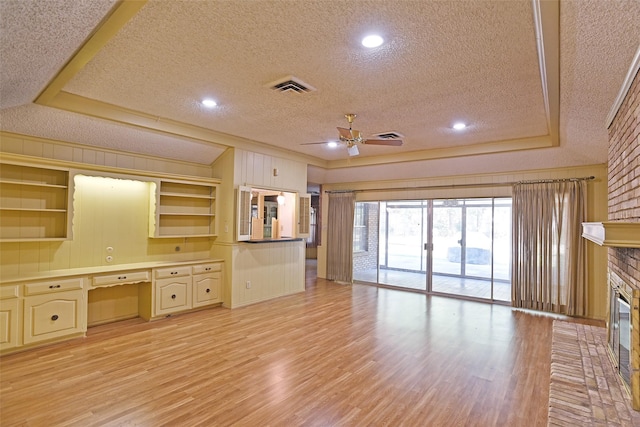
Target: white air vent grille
389, 135
291, 84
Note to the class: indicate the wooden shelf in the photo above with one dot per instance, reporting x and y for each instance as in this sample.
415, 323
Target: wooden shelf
34, 202
183, 209
189, 196
12, 182
32, 210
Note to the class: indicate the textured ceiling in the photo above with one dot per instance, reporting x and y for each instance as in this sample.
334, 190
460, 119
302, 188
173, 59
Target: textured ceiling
443, 61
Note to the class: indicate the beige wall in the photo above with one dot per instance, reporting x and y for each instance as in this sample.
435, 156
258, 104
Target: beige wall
491, 186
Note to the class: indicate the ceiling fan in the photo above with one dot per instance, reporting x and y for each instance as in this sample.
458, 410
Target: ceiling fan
352, 138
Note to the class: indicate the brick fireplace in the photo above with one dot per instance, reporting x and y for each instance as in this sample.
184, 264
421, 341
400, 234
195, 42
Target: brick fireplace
624, 207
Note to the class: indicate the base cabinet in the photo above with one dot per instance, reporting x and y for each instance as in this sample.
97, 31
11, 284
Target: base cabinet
41, 311
9, 316
207, 284
54, 315
206, 289
172, 295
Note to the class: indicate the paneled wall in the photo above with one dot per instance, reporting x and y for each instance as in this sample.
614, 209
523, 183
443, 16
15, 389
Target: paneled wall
624, 180
267, 270
494, 185
59, 150
261, 170
273, 269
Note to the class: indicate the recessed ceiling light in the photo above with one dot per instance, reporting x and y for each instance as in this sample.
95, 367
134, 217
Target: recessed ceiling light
332, 144
459, 126
209, 103
372, 41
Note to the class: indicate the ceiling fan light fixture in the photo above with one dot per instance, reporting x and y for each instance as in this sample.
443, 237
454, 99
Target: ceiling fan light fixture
353, 150
372, 41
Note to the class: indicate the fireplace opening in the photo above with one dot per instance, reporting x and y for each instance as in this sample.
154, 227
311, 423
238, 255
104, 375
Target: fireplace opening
620, 333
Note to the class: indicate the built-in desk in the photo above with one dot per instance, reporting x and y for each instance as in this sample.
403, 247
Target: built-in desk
50, 306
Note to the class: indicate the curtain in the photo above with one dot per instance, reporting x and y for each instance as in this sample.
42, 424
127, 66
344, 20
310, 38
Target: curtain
549, 257
340, 237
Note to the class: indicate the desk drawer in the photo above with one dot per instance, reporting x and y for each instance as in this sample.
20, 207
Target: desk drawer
163, 273
121, 278
207, 268
7, 292
53, 286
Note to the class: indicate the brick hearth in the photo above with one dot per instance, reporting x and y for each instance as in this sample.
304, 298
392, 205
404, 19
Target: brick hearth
584, 388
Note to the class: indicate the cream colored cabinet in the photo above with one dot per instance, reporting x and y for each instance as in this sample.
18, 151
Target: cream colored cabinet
9, 317
172, 290
183, 209
34, 203
54, 309
207, 284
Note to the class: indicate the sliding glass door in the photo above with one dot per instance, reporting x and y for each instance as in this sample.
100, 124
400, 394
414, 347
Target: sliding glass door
460, 247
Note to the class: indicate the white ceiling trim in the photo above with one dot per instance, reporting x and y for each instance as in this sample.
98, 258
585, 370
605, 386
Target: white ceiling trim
626, 85
546, 16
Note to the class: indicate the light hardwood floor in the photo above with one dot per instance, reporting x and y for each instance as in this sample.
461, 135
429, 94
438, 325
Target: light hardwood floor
331, 356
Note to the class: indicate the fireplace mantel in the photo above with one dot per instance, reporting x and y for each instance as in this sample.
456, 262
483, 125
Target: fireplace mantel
613, 233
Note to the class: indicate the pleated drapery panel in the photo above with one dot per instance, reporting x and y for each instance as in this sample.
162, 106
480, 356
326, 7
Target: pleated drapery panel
340, 237
549, 257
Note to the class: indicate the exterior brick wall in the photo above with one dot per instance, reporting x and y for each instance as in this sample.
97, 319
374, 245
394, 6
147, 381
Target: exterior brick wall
363, 261
624, 180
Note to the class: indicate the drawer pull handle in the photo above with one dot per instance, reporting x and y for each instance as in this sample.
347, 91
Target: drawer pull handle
207, 269
173, 296
174, 272
54, 286
54, 317
122, 277
208, 290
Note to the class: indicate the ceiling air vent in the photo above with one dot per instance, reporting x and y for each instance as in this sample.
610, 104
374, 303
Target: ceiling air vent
291, 84
389, 135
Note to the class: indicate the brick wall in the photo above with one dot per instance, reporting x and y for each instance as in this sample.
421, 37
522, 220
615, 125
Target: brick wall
624, 180
363, 261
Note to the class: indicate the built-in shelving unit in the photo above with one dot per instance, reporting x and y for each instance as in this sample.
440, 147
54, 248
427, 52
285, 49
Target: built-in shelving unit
34, 203
184, 209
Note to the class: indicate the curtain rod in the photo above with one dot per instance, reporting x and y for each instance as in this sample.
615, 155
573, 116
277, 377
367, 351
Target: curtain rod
451, 186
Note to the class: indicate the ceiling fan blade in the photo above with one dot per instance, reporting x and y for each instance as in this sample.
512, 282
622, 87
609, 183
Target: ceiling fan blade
345, 133
392, 142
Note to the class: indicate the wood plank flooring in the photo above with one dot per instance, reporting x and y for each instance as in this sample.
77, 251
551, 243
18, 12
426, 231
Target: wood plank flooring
331, 356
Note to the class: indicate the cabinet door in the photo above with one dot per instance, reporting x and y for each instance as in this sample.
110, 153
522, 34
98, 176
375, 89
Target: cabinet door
172, 295
206, 289
54, 315
304, 215
243, 213
9, 323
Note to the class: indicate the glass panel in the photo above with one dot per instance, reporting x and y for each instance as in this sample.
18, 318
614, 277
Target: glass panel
401, 262
477, 241
447, 238
502, 250
625, 341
